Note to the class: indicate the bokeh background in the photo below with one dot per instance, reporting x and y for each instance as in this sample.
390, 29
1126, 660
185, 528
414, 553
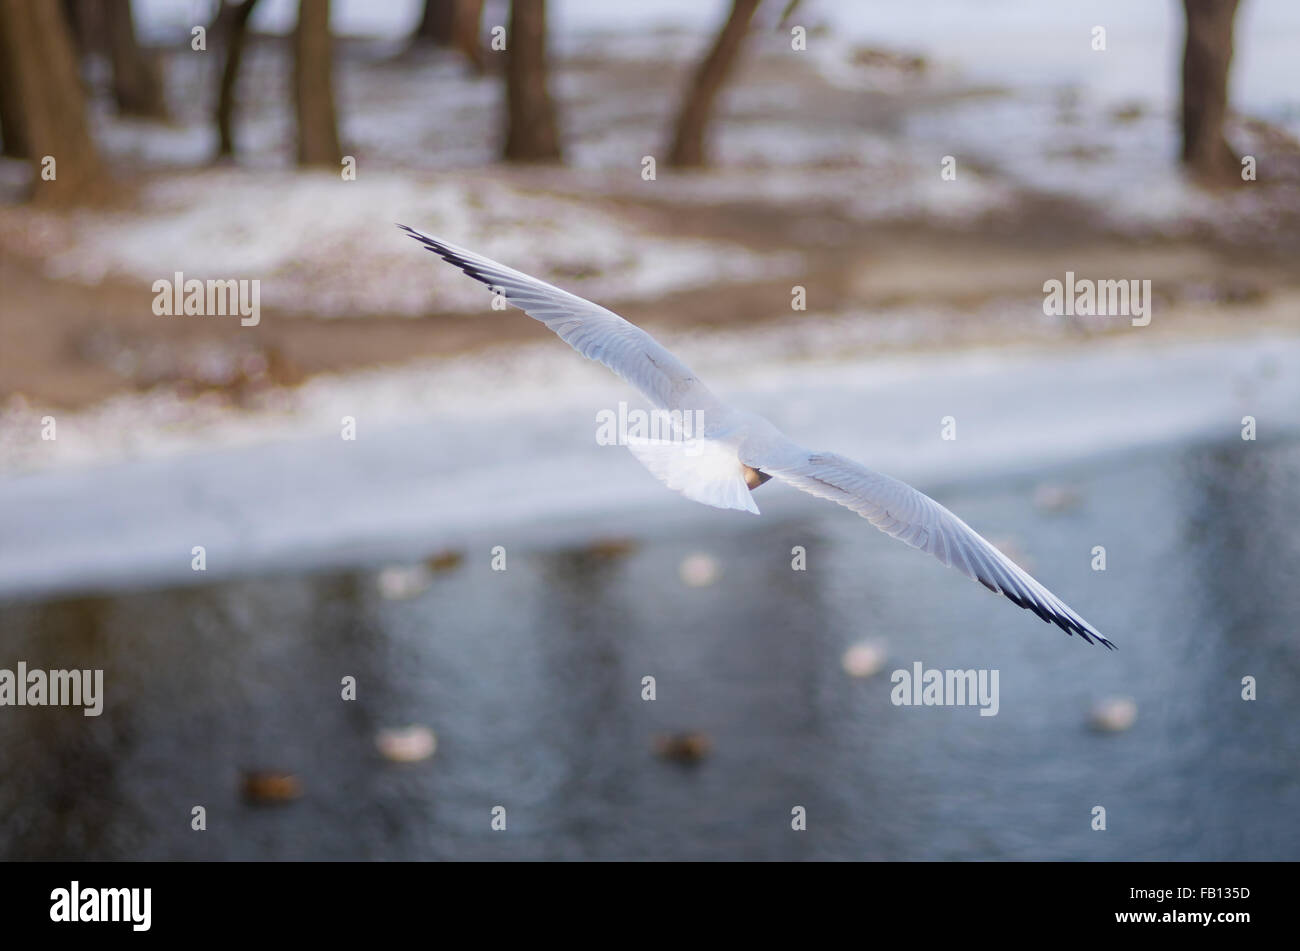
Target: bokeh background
688, 165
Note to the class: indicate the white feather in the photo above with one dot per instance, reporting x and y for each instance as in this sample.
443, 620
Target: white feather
700, 469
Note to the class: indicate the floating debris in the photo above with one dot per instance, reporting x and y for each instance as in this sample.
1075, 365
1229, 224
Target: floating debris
699, 570
444, 561
269, 787
1114, 714
865, 659
399, 582
408, 744
1128, 112
1056, 498
611, 548
876, 58
690, 747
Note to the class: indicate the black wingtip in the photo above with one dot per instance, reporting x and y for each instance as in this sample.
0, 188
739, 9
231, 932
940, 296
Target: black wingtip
1091, 636
435, 246
424, 239
450, 255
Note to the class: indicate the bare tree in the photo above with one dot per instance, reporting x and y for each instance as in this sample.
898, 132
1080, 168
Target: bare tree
435, 26
530, 114
688, 149
13, 132
85, 19
453, 23
313, 84
1206, 58
107, 28
42, 104
230, 29
137, 74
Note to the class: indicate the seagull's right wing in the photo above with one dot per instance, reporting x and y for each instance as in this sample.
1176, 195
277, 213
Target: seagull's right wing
596, 333
902, 512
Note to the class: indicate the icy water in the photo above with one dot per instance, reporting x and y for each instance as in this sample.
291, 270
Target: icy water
532, 680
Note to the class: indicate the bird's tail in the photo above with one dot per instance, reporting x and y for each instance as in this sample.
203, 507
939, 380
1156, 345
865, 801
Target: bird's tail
703, 470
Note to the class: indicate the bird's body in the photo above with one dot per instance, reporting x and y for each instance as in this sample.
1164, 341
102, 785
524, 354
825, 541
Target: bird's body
735, 452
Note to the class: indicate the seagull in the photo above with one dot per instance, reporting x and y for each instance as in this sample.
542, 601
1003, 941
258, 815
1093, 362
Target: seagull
738, 451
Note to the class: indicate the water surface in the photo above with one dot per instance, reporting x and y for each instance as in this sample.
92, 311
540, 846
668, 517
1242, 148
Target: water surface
531, 678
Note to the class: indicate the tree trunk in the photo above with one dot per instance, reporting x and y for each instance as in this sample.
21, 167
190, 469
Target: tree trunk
1206, 58
467, 32
85, 19
687, 148
313, 84
455, 24
137, 76
42, 102
230, 29
530, 114
435, 24
12, 131
12, 144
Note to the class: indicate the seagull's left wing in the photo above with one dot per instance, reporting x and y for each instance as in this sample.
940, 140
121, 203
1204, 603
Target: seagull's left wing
902, 512
596, 333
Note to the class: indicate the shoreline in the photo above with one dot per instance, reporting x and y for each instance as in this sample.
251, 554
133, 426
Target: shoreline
441, 475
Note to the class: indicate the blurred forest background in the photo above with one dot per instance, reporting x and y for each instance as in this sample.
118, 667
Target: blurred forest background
59, 54
687, 162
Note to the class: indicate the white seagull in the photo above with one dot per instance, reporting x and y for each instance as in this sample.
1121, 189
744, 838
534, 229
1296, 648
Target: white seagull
739, 451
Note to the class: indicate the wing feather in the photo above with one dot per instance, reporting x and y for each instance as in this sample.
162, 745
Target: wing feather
596, 333
914, 518
892, 506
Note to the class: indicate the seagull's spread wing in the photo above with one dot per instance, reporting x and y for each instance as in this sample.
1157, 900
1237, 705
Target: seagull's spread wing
902, 512
892, 506
593, 331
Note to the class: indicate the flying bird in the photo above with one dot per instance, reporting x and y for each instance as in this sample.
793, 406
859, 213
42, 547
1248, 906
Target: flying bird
738, 451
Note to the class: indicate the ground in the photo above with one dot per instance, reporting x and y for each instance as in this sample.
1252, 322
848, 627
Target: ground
828, 179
